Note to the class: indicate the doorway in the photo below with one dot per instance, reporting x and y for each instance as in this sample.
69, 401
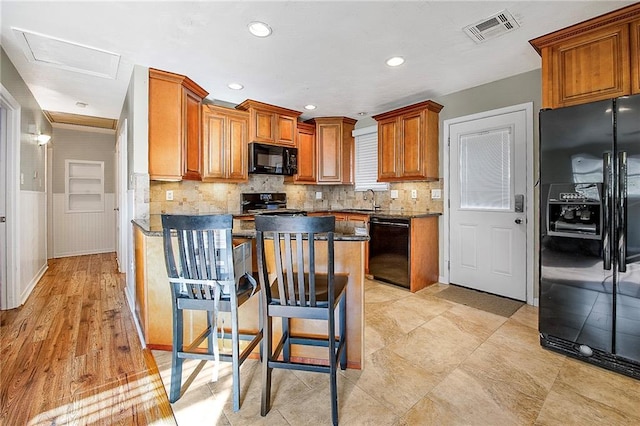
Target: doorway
489, 215
9, 161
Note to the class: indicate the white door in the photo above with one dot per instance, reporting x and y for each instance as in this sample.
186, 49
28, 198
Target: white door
3, 203
487, 222
121, 199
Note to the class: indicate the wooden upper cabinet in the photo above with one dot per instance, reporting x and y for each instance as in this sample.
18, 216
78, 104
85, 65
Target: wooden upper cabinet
592, 60
193, 146
335, 150
634, 34
388, 146
224, 133
270, 124
287, 130
174, 126
408, 143
306, 138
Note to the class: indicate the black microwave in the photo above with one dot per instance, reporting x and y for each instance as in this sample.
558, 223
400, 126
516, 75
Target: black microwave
272, 159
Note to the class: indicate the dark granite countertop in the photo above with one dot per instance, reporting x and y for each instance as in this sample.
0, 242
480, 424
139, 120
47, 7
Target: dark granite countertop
345, 231
381, 213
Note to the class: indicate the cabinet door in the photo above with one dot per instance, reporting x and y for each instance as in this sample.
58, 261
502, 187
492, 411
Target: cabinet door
192, 146
306, 153
329, 153
263, 126
411, 151
348, 154
215, 152
591, 67
635, 56
286, 130
165, 130
388, 149
237, 147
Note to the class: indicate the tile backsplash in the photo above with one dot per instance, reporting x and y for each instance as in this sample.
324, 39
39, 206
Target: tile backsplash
201, 197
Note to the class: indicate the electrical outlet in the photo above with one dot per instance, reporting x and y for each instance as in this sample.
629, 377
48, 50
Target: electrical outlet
318, 195
394, 194
414, 193
436, 194
169, 195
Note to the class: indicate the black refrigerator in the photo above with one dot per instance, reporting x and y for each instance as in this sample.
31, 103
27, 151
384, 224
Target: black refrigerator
590, 232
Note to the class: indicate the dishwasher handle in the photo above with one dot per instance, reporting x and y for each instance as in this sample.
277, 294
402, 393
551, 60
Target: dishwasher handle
387, 222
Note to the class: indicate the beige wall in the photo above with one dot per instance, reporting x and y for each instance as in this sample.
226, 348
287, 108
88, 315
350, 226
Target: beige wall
518, 89
71, 144
32, 156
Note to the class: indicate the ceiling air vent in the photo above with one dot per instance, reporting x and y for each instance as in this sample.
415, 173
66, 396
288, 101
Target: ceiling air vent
491, 27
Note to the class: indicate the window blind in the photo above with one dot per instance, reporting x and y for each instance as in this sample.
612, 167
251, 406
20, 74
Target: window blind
366, 175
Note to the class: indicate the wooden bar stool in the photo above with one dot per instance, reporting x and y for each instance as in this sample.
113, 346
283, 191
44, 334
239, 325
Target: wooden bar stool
300, 291
202, 277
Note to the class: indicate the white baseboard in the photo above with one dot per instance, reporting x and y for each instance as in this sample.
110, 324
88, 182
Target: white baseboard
132, 307
32, 284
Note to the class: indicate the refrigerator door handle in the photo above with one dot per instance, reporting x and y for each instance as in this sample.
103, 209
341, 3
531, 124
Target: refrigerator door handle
622, 211
606, 197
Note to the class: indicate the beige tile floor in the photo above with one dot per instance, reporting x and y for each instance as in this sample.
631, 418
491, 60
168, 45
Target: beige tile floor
427, 362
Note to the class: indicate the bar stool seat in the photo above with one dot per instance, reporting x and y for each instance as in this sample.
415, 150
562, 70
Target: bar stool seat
303, 288
200, 265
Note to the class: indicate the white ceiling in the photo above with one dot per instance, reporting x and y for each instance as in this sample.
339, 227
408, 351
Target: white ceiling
330, 54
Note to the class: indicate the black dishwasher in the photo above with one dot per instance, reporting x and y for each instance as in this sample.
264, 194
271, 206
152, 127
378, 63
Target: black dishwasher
389, 249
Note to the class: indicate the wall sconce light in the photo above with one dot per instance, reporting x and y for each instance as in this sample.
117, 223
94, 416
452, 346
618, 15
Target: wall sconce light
43, 139
38, 137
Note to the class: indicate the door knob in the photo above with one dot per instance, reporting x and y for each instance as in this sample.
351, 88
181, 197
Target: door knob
518, 221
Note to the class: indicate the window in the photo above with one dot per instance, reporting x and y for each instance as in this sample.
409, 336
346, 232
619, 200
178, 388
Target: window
485, 170
366, 175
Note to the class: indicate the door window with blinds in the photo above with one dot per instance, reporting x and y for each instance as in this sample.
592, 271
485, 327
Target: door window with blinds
486, 182
366, 164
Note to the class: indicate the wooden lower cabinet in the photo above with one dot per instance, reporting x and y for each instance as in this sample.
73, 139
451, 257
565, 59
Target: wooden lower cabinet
424, 252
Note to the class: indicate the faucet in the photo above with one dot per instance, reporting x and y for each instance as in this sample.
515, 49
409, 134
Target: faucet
374, 207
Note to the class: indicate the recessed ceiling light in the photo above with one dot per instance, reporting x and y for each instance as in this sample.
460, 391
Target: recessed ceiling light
395, 61
235, 86
81, 104
259, 29
362, 113
310, 107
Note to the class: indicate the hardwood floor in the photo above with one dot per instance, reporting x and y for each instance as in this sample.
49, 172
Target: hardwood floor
71, 354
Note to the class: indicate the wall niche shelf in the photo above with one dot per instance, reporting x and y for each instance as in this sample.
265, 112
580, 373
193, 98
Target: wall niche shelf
84, 186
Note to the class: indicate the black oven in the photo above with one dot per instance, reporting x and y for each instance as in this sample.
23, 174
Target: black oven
272, 159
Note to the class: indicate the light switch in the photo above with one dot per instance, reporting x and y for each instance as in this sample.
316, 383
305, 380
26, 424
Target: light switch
436, 194
394, 193
318, 195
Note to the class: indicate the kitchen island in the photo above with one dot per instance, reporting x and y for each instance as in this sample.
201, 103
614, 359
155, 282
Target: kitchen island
153, 294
